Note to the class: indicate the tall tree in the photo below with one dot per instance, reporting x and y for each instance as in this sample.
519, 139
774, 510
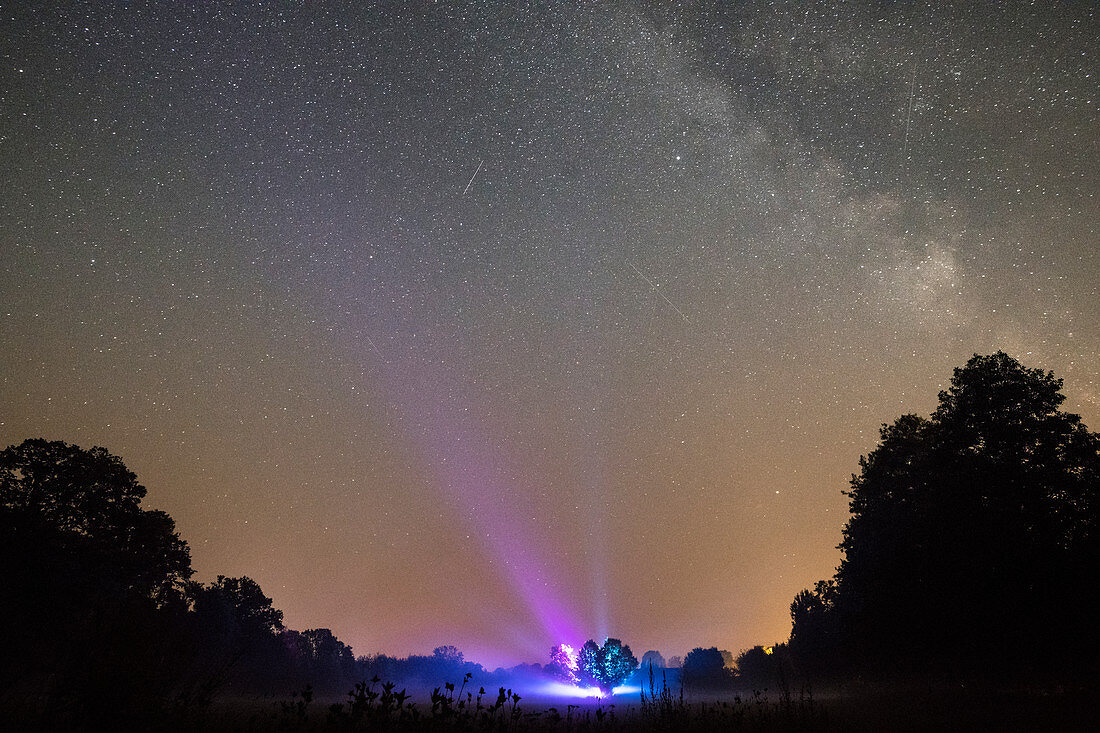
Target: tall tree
589, 663
973, 533
85, 507
94, 586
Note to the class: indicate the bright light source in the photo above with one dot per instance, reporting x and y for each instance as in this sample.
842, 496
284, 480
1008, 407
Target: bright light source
563, 689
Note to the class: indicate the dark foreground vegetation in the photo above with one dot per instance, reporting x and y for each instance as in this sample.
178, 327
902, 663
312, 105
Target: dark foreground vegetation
965, 599
914, 705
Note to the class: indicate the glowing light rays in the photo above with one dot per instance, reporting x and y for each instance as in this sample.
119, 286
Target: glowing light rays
564, 689
478, 480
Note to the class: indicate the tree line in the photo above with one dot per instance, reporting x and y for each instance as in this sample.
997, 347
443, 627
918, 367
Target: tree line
972, 545
103, 610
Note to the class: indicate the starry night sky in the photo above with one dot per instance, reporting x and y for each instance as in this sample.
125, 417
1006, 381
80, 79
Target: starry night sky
493, 324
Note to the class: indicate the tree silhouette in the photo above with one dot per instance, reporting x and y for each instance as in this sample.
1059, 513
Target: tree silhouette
653, 657
94, 587
448, 654
814, 627
329, 658
973, 533
242, 603
764, 667
85, 505
705, 667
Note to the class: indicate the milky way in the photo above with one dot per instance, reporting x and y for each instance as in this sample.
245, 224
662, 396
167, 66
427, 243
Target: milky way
493, 325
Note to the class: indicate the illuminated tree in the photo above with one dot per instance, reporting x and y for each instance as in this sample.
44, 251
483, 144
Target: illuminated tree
618, 663
563, 663
589, 663
606, 667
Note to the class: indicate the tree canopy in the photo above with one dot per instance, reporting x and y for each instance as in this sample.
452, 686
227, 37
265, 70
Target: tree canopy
240, 605
107, 618
564, 662
605, 667
90, 580
80, 510
973, 532
705, 667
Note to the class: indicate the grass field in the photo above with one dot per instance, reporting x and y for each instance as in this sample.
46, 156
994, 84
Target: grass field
379, 706
853, 707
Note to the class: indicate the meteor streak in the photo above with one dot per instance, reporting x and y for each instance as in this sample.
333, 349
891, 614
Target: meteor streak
479, 164
654, 286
